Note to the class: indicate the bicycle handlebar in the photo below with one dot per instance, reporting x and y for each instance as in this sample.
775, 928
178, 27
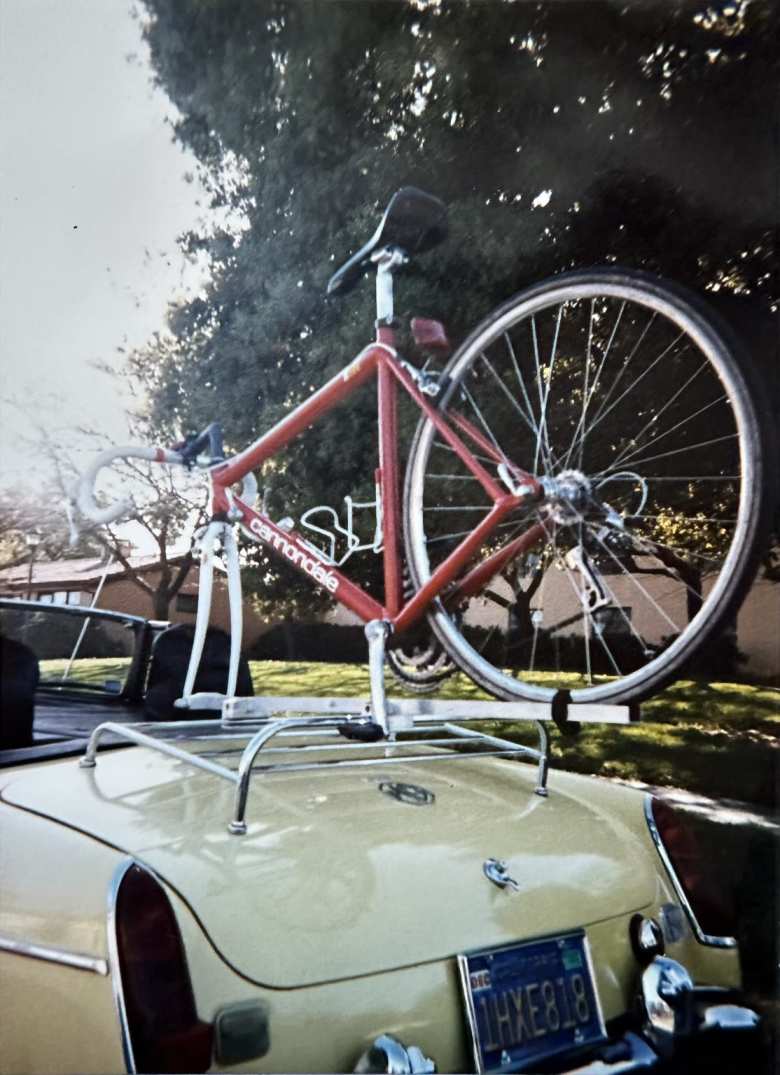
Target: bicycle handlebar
83, 492
84, 489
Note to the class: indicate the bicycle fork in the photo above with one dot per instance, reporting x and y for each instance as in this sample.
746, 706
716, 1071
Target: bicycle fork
222, 532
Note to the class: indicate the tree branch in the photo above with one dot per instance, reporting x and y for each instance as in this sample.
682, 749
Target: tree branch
113, 547
181, 576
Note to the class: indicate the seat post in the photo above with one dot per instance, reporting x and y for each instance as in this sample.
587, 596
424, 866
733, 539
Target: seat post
387, 260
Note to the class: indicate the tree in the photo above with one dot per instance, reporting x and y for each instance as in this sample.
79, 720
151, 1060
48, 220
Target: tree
166, 513
22, 515
636, 133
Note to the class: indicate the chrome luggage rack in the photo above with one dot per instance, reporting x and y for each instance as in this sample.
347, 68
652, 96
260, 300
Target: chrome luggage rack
418, 730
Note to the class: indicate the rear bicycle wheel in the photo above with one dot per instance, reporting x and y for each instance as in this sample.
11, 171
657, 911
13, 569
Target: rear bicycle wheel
618, 392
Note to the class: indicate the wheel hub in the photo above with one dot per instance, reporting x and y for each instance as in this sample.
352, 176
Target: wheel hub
568, 496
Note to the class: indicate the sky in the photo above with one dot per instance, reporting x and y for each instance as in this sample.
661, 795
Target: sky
92, 197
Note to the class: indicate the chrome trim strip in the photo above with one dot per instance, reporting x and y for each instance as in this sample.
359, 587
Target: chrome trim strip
113, 964
471, 1015
701, 936
593, 981
77, 960
71, 610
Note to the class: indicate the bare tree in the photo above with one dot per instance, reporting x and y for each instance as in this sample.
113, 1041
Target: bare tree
23, 515
168, 506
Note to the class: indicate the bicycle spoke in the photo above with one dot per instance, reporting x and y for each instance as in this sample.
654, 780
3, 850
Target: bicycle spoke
447, 537
623, 369
543, 442
692, 477
464, 533
537, 361
509, 396
631, 628
520, 380
536, 622
674, 451
449, 448
586, 634
698, 518
633, 579
586, 387
554, 558
608, 652
587, 619
455, 477
485, 426
534, 641
587, 394
460, 507
635, 439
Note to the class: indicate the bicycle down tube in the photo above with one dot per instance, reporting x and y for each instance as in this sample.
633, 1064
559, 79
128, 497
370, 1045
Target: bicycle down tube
379, 358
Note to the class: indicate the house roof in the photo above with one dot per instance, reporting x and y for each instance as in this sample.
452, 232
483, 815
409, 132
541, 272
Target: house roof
73, 574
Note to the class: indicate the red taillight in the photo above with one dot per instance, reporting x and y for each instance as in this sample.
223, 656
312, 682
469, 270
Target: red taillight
709, 894
164, 1028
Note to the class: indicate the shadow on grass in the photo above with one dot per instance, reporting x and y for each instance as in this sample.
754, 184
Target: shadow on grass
720, 766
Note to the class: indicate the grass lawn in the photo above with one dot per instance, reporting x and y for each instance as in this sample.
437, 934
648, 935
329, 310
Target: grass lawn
92, 670
715, 739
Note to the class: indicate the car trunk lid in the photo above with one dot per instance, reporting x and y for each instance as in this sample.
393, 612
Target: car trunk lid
351, 872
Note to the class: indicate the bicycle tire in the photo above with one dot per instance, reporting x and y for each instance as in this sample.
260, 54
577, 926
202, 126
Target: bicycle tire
573, 332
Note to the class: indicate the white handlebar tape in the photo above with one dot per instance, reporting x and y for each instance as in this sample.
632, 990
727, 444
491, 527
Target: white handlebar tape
84, 489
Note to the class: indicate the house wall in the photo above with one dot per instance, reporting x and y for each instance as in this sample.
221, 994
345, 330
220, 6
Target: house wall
758, 630
122, 595
758, 623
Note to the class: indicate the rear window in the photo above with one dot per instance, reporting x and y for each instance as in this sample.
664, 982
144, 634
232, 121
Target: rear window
73, 649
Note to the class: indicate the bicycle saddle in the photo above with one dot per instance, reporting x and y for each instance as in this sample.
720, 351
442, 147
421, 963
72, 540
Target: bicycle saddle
413, 220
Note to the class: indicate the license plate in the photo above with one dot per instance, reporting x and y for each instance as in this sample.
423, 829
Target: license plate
529, 1001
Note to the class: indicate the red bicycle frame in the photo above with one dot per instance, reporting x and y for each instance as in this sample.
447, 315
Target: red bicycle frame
381, 359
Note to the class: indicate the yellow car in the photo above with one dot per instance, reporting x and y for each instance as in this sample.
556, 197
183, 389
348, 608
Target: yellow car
287, 897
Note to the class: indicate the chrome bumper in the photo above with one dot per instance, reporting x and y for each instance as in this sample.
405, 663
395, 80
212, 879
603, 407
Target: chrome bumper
676, 1018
